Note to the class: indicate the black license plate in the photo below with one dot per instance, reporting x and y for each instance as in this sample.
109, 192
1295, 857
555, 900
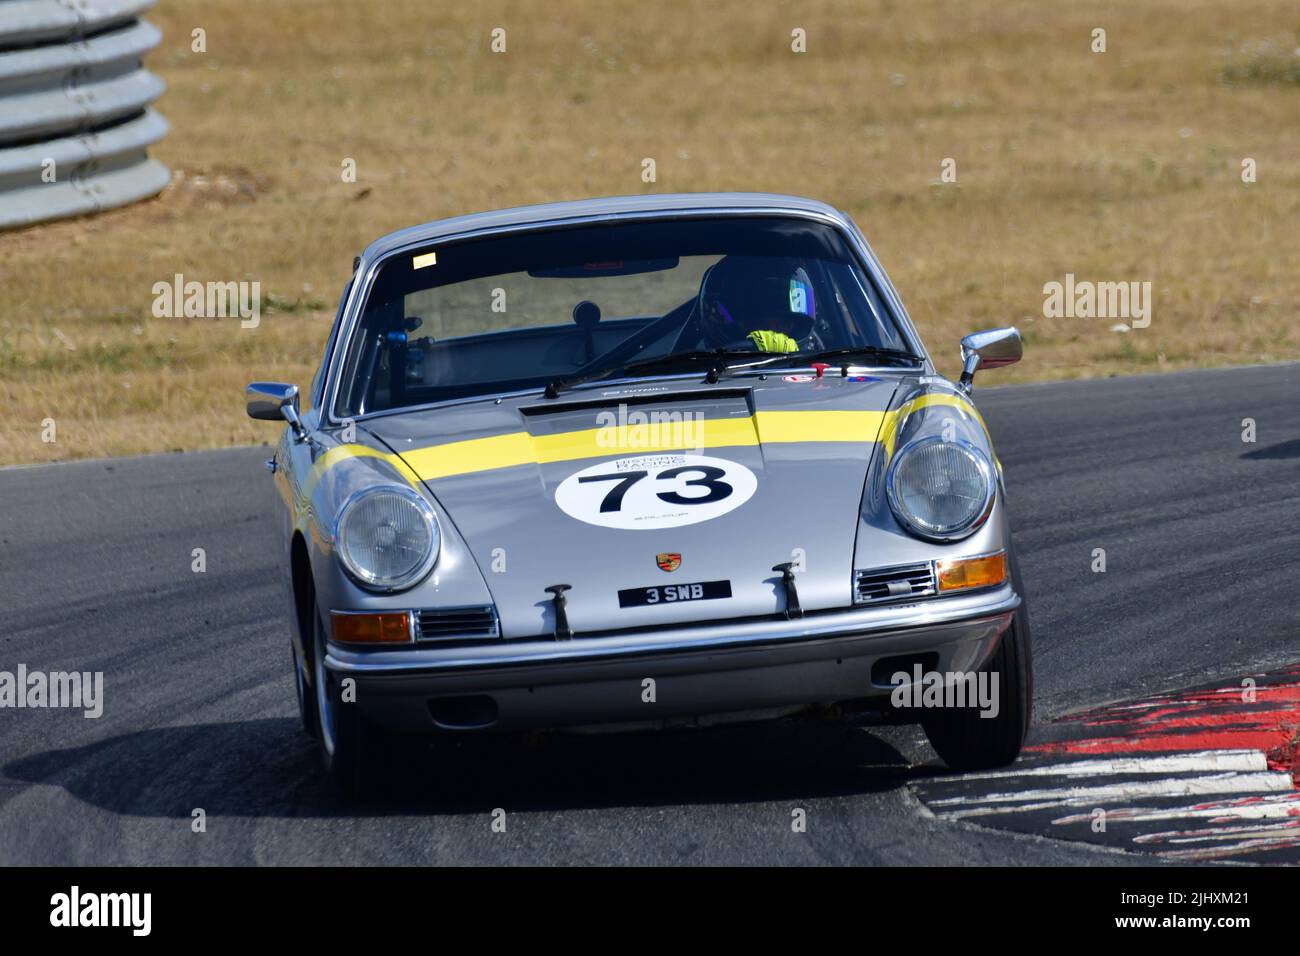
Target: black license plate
674, 593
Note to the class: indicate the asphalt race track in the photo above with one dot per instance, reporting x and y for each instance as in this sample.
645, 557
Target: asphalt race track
1201, 534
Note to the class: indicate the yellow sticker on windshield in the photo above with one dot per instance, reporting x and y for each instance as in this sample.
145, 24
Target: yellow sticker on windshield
426, 259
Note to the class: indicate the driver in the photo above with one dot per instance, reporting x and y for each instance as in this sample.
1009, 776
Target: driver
761, 302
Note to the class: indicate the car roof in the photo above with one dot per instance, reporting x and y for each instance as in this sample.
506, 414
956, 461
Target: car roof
611, 206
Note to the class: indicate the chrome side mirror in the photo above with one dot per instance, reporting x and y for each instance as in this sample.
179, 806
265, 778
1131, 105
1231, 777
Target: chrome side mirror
991, 348
274, 401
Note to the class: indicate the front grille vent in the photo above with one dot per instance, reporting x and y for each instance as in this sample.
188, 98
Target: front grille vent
475, 623
894, 584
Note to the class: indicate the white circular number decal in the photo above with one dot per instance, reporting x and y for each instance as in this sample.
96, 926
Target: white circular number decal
655, 491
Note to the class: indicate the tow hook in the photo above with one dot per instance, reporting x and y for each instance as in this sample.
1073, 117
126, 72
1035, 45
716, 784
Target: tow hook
792, 608
562, 630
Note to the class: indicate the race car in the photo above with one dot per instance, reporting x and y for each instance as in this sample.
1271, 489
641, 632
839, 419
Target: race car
642, 462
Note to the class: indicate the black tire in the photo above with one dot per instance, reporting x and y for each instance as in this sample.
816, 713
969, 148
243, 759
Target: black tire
967, 741
351, 749
305, 692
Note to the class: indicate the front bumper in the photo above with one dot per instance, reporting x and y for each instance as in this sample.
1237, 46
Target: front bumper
707, 669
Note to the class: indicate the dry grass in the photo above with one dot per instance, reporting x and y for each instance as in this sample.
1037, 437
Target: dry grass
1118, 166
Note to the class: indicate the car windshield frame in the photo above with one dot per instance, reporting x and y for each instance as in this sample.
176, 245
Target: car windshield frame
364, 280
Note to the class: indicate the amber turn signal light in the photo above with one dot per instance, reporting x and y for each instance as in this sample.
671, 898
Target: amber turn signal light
962, 574
387, 628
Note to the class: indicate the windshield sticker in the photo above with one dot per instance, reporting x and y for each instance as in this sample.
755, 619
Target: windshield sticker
655, 491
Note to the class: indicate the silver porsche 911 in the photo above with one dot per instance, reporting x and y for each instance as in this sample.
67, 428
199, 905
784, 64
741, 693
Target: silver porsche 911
639, 462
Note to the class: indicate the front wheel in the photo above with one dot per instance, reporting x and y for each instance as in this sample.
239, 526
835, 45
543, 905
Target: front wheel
968, 741
305, 692
350, 748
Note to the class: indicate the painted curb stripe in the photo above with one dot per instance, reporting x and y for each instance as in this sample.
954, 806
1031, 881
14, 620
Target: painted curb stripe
1270, 806
1207, 761
1209, 773
1046, 799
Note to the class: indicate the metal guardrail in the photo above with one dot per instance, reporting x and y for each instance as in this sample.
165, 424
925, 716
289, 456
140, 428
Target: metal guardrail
75, 121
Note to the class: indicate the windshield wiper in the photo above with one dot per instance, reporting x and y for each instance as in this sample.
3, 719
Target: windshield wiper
878, 353
714, 359
718, 361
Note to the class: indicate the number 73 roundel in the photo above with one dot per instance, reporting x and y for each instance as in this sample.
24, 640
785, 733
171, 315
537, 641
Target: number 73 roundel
655, 491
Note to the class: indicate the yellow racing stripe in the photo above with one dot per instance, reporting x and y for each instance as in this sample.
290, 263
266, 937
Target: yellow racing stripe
520, 448
342, 453
819, 426
889, 432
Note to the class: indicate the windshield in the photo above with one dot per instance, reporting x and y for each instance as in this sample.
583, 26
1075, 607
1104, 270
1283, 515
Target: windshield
524, 310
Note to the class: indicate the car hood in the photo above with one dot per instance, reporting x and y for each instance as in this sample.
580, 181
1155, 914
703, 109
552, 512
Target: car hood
627, 489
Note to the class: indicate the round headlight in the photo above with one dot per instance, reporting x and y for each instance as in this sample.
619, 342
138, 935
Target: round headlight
940, 490
387, 538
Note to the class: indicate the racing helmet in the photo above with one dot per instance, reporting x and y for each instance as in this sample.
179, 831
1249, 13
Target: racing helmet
741, 295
